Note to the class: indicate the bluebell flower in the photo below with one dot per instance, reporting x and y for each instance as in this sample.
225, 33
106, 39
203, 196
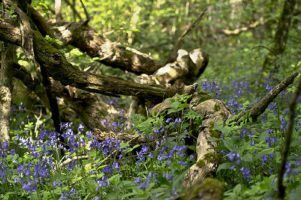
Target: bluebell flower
145, 184
80, 128
137, 180
107, 170
232, 156
89, 134
264, 159
116, 165
64, 196
43, 134
142, 153
245, 132
283, 123
298, 162
160, 130
102, 182
66, 125
168, 176
288, 168
156, 131
57, 184
168, 120
273, 107
245, 172
72, 192
30, 186
269, 131
178, 120
211, 87
270, 141
40, 170
20, 168
183, 163
3, 171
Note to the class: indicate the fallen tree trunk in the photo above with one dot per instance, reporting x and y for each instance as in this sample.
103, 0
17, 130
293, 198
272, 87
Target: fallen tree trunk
85, 38
60, 69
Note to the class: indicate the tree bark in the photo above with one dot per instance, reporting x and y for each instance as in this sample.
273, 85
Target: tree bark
281, 35
7, 58
60, 69
110, 53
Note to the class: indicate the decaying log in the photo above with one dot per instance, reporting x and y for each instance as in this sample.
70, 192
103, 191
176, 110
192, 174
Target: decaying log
186, 69
60, 69
212, 111
110, 53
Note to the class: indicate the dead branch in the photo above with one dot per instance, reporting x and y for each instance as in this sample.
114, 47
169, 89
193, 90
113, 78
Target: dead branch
258, 108
238, 31
88, 17
173, 54
72, 6
70, 160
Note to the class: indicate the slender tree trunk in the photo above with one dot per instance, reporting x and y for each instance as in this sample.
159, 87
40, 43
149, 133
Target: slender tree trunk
7, 57
281, 36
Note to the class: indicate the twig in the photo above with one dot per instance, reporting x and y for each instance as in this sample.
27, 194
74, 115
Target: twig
72, 6
238, 31
69, 160
288, 138
88, 18
263, 103
180, 40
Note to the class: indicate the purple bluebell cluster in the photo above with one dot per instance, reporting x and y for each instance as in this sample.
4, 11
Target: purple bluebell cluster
211, 87
143, 184
234, 157
245, 172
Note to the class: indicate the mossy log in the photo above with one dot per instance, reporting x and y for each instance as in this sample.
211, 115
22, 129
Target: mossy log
60, 69
85, 38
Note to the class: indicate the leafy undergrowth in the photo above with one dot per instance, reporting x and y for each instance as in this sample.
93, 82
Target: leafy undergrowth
31, 165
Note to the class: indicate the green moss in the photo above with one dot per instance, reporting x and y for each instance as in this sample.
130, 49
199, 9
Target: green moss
200, 163
210, 188
217, 107
212, 157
